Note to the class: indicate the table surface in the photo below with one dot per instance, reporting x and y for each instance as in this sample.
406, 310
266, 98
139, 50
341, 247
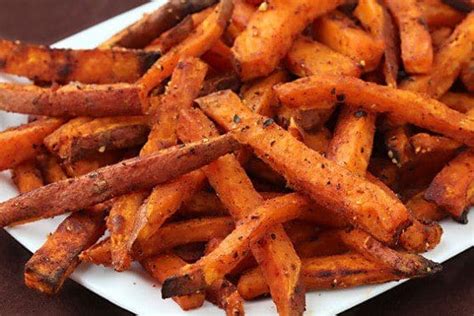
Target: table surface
450, 292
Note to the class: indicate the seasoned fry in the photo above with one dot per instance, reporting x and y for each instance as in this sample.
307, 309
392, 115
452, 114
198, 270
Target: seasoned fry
376, 19
334, 187
327, 243
51, 265
447, 64
203, 38
439, 36
97, 135
72, 100
166, 265
407, 265
91, 163
399, 149
461, 102
20, 144
385, 171
27, 177
65, 65
307, 57
275, 254
50, 168
340, 33
250, 229
322, 273
270, 33
424, 112
219, 57
452, 188
241, 16
318, 141
105, 183
416, 46
203, 203
437, 14
259, 95
142, 32
424, 210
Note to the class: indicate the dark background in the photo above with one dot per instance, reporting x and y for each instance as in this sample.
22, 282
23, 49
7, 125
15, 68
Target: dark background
450, 292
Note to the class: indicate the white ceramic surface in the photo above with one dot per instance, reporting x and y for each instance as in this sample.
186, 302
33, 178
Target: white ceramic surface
138, 293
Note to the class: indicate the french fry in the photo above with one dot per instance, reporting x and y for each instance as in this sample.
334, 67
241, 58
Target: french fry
399, 149
259, 95
72, 100
98, 135
424, 210
406, 264
351, 146
274, 253
105, 183
299, 231
437, 14
219, 57
220, 82
142, 32
416, 46
340, 33
447, 64
50, 168
65, 65
307, 57
323, 273
327, 243
319, 140
203, 203
241, 16
52, 264
467, 75
91, 163
202, 39
452, 188
169, 236
424, 112
21, 143
385, 171
461, 102
27, 177
270, 33
439, 36
334, 187
165, 265
376, 19
250, 229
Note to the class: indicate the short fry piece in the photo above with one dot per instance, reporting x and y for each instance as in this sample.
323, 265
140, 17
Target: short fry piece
50, 266
424, 112
359, 201
105, 183
27, 177
340, 33
424, 210
65, 65
270, 34
50, 168
416, 46
166, 265
453, 188
437, 14
20, 144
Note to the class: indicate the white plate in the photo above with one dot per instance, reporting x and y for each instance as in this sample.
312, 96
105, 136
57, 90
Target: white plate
138, 293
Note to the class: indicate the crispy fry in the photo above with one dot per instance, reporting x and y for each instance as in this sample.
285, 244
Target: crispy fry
407, 265
447, 64
20, 144
318, 141
327, 243
65, 65
50, 168
416, 46
204, 204
259, 95
51, 265
27, 177
220, 82
424, 112
72, 100
103, 184
351, 146
100, 134
452, 189
307, 57
270, 33
424, 210
142, 32
299, 231
322, 273
274, 253
340, 33
250, 229
241, 16
461, 102
399, 149
436, 13
334, 187
219, 57
204, 36
376, 19
166, 265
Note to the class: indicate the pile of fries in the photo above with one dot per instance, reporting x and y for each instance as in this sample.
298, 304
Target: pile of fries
239, 148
